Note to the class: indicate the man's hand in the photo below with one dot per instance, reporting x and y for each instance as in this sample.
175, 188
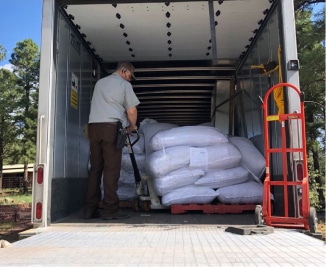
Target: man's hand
131, 129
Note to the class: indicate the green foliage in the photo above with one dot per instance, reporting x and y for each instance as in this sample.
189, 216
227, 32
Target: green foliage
311, 52
8, 107
314, 186
3, 53
25, 60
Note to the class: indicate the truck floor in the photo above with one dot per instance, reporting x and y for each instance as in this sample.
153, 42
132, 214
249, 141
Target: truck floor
158, 238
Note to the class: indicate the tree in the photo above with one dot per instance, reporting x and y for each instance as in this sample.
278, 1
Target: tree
311, 52
3, 53
8, 105
306, 4
25, 61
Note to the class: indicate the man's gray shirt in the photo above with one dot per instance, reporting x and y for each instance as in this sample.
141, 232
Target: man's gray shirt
111, 98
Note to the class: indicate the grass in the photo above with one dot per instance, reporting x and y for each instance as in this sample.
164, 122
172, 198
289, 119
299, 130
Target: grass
14, 196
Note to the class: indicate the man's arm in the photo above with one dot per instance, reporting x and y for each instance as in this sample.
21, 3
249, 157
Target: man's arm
132, 118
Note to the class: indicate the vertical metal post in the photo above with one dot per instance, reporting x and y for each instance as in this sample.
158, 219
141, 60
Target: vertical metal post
213, 34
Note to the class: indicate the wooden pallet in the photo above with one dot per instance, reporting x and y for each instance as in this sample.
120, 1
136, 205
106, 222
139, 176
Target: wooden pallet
212, 208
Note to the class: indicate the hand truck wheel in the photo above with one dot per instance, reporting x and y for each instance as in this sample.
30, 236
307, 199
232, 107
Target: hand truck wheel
136, 204
145, 205
259, 215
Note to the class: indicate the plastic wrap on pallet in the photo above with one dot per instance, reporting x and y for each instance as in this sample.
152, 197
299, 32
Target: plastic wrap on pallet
127, 192
244, 193
221, 178
251, 158
126, 164
221, 156
176, 179
195, 136
188, 195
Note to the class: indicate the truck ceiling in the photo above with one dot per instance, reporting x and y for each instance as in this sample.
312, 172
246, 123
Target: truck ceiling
180, 49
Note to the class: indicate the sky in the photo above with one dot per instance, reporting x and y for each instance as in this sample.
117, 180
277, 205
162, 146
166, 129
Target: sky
19, 20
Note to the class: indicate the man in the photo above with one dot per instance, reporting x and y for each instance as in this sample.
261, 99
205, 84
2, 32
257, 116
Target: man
113, 100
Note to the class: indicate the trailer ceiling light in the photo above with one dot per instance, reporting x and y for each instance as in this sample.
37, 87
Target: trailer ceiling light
125, 34
168, 14
170, 55
167, 3
77, 26
130, 49
169, 34
83, 35
169, 42
122, 26
114, 5
216, 23
218, 12
170, 48
118, 16
71, 17
220, 2
168, 25
265, 12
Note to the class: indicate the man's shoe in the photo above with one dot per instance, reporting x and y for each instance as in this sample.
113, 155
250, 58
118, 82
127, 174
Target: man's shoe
115, 216
91, 214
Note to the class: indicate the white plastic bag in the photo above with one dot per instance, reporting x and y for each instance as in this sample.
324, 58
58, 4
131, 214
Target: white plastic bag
195, 136
249, 192
221, 178
251, 158
176, 179
190, 194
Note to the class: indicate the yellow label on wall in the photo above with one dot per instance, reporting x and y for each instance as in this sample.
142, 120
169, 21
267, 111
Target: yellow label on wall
74, 91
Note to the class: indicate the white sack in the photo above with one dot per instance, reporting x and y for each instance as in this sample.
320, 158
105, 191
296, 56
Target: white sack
138, 147
150, 129
127, 177
221, 178
176, 179
126, 163
249, 192
126, 192
190, 194
251, 159
161, 162
195, 136
220, 156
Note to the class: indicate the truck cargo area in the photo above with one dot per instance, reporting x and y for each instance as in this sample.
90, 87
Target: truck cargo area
195, 63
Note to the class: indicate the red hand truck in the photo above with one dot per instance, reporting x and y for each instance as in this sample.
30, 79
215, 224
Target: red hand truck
292, 179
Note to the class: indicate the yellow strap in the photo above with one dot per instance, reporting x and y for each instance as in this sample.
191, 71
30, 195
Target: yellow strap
278, 92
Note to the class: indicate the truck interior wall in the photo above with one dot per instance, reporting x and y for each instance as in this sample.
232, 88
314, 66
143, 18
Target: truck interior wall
220, 116
74, 84
248, 107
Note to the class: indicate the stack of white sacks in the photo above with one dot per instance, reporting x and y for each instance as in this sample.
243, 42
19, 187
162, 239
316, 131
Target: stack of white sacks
194, 165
